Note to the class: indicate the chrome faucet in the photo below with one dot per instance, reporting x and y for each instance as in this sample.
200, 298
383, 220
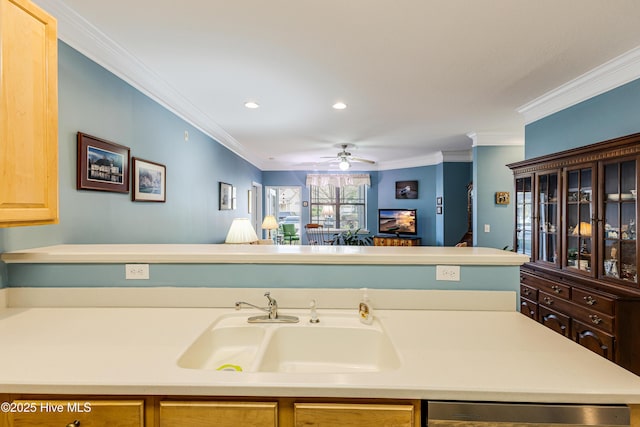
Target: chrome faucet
272, 309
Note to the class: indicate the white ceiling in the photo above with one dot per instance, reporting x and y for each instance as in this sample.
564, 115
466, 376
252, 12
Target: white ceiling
417, 75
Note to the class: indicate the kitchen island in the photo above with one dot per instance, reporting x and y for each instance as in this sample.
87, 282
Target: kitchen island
121, 345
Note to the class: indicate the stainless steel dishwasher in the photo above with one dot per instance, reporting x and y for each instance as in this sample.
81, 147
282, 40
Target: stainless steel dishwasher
480, 414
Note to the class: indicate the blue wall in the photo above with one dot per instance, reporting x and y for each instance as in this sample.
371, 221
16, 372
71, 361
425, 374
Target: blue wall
609, 115
490, 174
425, 203
96, 102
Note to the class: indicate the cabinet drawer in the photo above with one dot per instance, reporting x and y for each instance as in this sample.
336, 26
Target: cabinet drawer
554, 320
94, 413
594, 319
528, 292
558, 289
529, 308
337, 415
220, 414
593, 339
555, 302
593, 301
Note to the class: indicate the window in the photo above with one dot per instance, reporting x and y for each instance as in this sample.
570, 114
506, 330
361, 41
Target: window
339, 206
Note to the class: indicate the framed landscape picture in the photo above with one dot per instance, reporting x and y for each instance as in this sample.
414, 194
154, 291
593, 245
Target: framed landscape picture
102, 165
149, 181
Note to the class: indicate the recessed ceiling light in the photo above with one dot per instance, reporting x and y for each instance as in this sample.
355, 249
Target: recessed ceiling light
339, 106
251, 104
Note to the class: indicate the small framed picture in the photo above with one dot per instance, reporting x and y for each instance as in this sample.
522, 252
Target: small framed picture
406, 189
149, 181
439, 210
102, 165
438, 201
502, 198
226, 196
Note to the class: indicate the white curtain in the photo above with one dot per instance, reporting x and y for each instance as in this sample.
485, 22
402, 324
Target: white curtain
338, 180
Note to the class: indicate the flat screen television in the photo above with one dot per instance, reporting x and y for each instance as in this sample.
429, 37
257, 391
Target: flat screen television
398, 221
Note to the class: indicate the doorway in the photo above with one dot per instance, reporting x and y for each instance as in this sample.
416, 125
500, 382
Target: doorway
285, 203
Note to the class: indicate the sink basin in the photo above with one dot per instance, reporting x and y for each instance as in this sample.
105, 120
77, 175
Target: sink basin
328, 350
338, 344
223, 348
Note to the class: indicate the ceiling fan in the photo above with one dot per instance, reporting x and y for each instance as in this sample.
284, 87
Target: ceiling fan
345, 158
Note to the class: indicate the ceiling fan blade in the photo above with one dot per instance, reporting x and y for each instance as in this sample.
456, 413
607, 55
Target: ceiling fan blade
356, 159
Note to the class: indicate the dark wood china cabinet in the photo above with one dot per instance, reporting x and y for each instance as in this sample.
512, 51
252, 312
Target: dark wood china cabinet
576, 214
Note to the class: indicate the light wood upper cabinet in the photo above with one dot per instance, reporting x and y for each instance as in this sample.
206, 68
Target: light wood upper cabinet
28, 115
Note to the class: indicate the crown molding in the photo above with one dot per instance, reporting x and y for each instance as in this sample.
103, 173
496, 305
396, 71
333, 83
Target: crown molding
610, 75
78, 33
496, 138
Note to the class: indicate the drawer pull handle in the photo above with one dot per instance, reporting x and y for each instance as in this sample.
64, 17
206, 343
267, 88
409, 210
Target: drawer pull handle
557, 289
526, 292
548, 300
589, 300
595, 319
76, 423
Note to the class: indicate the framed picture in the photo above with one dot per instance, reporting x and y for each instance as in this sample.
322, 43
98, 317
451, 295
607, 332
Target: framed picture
406, 189
149, 181
226, 196
102, 165
438, 201
502, 198
439, 210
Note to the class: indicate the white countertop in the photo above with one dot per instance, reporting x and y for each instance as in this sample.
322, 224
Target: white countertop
453, 355
265, 254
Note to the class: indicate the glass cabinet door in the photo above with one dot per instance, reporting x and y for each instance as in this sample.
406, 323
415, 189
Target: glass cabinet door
548, 219
579, 220
619, 221
524, 215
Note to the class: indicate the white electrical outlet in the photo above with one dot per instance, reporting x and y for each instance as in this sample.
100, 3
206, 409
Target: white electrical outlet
448, 272
136, 271
487, 228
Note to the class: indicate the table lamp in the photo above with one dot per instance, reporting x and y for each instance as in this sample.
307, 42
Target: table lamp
269, 224
241, 231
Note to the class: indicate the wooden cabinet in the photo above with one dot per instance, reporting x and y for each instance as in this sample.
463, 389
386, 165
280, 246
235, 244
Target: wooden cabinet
29, 115
576, 214
83, 413
218, 414
202, 411
396, 241
353, 415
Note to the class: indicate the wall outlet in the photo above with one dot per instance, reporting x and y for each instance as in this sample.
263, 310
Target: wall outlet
136, 271
487, 228
448, 272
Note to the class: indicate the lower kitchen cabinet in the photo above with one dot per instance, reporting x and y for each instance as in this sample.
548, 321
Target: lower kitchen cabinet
182, 411
74, 413
218, 414
353, 415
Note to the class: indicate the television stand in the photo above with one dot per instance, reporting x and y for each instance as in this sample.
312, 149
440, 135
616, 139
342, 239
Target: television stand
390, 240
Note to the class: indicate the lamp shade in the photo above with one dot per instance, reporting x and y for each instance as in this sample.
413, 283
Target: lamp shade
327, 210
585, 229
241, 231
269, 223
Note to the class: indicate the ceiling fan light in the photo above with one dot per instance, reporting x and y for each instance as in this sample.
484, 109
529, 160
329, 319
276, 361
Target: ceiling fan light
344, 164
